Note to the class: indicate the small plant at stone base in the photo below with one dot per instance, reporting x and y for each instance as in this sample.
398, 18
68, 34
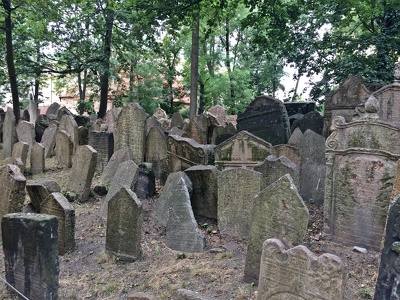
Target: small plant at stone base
181, 256
365, 294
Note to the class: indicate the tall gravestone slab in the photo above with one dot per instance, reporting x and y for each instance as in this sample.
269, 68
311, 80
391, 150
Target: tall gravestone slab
26, 133
124, 225
9, 133
184, 153
20, 154
277, 212
30, 254
103, 143
157, 153
297, 273
196, 132
204, 197
296, 137
219, 112
242, 150
83, 136
236, 190
111, 119
176, 119
57, 205
266, 118
39, 190
2, 117
313, 121
118, 157
361, 163
49, 140
82, 172
33, 110
389, 102
312, 167
131, 131
52, 111
145, 185
37, 158
69, 125
64, 149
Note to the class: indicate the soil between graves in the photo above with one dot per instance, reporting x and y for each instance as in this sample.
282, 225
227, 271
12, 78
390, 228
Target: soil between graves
89, 273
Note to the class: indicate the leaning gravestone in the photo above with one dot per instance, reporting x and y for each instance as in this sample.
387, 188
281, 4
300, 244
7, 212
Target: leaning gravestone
236, 190
361, 163
277, 212
111, 119
26, 133
40, 190
196, 132
20, 154
30, 254
64, 149
157, 153
33, 111
296, 137
57, 205
124, 225
219, 112
83, 168
131, 131
52, 111
9, 133
176, 120
289, 151
103, 143
118, 157
297, 273
49, 140
69, 125
37, 159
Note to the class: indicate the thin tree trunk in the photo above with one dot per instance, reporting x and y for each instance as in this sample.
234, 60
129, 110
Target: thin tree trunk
194, 66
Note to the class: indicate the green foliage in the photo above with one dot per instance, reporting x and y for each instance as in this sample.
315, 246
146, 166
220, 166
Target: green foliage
365, 293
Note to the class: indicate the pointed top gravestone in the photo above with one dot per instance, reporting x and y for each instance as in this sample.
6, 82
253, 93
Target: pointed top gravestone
49, 140
118, 157
157, 153
33, 111
69, 125
9, 133
176, 120
295, 137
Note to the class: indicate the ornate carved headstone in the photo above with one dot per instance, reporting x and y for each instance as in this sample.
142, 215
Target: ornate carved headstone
103, 143
64, 149
297, 273
9, 133
157, 153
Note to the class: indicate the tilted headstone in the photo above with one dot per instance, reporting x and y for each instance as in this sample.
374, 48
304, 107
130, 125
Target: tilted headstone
57, 205
289, 151
9, 133
2, 117
37, 159
184, 153
111, 119
176, 120
125, 175
296, 137
361, 163
218, 111
103, 143
151, 122
52, 111
157, 153
131, 131
236, 190
64, 149
159, 113
30, 254
242, 150
313, 121
312, 167
204, 197
277, 212
196, 132
266, 118
69, 125
49, 140
118, 157
20, 154
40, 190
33, 111
26, 133
124, 225
83, 168
177, 131
297, 273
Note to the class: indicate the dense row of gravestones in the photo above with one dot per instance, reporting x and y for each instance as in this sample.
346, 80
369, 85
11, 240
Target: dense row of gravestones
253, 174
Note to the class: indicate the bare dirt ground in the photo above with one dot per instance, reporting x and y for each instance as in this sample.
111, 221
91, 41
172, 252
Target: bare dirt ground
89, 273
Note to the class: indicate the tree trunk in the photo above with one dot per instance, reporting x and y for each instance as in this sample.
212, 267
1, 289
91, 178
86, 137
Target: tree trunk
10, 60
194, 66
104, 77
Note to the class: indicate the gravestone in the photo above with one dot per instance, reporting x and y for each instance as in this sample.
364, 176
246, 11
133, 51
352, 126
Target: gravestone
145, 185
313, 121
289, 151
157, 153
361, 163
236, 190
52, 111
266, 118
221, 133
26, 133
242, 150
64, 149
118, 157
57, 205
296, 137
37, 159
125, 176
204, 197
33, 111
103, 143
83, 136
9, 133
218, 111
49, 140
159, 113
69, 125
111, 119
40, 126
30, 254
124, 225
39, 190
312, 167
196, 132
184, 153
273, 168
176, 119
131, 131
277, 212
83, 168
299, 107
177, 131
297, 273
20, 155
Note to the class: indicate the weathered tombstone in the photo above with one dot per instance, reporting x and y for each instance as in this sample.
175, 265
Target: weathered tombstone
204, 197
312, 167
299, 107
266, 118
152, 122
236, 190
296, 137
83, 168
277, 212
9, 133
273, 168
118, 157
297, 273
40, 126
20, 154
64, 149
30, 254
176, 120
26, 133
196, 132
68, 124
125, 176
49, 140
131, 131
83, 136
37, 158
111, 119
124, 224
57, 205
159, 113
361, 162
184, 153
103, 143
313, 121
177, 131
145, 185
218, 111
289, 151
40, 190
157, 153
242, 150
52, 111
33, 111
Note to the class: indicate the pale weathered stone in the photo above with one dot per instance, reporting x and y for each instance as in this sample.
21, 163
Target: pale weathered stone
26, 133
157, 153
37, 158
39, 190
118, 157
64, 149
9, 133
69, 125
49, 140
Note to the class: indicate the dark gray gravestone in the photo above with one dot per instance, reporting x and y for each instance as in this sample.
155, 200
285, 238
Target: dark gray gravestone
31, 255
388, 282
40, 190
57, 205
49, 140
313, 120
204, 197
2, 116
83, 135
124, 224
52, 111
64, 149
40, 126
37, 158
103, 143
145, 185
9, 133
